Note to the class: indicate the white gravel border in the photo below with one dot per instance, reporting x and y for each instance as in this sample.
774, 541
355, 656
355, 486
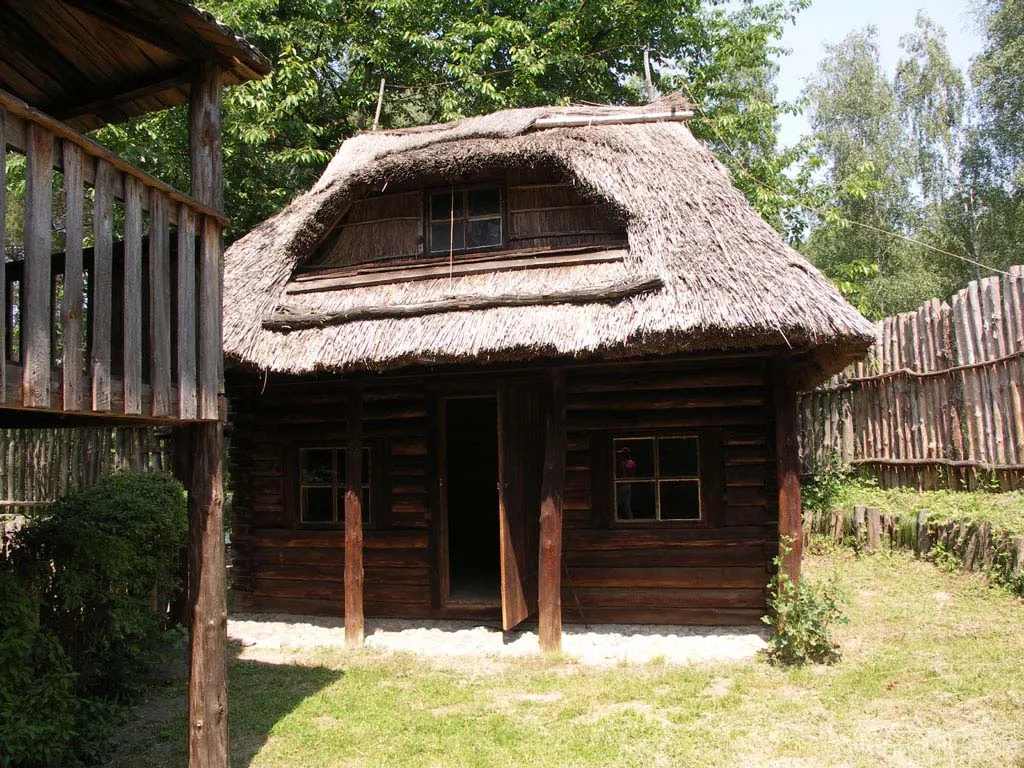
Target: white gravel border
599, 645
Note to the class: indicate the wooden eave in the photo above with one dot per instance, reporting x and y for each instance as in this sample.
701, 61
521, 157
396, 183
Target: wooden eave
94, 62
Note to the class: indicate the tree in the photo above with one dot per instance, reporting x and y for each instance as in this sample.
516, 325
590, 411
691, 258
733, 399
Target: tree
453, 58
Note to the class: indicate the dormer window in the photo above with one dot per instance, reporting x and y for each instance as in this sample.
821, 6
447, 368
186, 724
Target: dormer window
467, 219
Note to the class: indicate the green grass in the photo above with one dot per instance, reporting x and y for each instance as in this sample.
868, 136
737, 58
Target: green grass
1004, 510
931, 676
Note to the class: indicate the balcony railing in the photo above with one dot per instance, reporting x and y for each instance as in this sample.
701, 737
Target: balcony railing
124, 318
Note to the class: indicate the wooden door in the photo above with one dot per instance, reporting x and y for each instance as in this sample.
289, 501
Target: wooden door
520, 465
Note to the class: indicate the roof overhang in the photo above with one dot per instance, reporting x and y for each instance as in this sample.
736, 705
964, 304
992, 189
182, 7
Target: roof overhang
94, 62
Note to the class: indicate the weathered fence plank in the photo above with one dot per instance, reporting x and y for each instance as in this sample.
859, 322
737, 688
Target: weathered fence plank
938, 402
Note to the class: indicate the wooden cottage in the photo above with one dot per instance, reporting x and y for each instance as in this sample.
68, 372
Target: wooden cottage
110, 305
536, 363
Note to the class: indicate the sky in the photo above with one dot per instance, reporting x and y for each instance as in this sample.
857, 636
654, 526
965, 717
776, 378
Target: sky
829, 21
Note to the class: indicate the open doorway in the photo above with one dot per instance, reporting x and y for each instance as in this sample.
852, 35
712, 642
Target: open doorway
471, 437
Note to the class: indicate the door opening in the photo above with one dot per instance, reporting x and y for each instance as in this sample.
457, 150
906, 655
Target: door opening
471, 437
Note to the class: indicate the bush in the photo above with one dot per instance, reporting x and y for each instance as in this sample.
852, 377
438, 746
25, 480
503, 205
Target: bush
821, 493
101, 566
802, 616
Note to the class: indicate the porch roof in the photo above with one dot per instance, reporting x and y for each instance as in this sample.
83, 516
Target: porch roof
93, 62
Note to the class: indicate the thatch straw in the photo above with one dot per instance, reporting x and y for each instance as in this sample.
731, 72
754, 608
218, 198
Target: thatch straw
730, 282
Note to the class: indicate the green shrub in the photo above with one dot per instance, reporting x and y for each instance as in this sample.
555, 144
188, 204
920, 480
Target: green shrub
821, 493
101, 566
801, 616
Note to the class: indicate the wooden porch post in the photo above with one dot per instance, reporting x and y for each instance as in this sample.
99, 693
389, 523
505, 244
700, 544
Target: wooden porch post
207, 685
354, 520
549, 587
788, 463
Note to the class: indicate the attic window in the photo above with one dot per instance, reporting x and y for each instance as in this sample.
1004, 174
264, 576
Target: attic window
467, 219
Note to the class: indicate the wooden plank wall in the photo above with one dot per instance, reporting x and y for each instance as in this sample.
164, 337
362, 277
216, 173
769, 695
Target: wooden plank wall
279, 566
938, 403
542, 211
38, 466
67, 356
711, 574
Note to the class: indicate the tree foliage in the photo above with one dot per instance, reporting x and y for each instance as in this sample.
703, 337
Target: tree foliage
452, 58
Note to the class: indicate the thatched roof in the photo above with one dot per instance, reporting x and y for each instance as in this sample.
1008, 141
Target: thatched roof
727, 280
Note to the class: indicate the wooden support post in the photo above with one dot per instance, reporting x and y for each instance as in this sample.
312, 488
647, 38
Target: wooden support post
549, 588
924, 542
207, 682
207, 689
874, 519
788, 461
354, 521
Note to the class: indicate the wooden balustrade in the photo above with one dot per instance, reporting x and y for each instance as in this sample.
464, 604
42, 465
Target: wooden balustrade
113, 324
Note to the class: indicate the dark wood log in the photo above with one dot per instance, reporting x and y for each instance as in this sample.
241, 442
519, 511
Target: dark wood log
354, 522
288, 319
187, 400
207, 697
552, 488
788, 458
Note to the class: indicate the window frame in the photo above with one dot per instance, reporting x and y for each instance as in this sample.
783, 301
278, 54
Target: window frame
337, 484
428, 219
707, 478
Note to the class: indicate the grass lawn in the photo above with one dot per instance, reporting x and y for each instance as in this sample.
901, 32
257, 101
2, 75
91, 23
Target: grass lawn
932, 675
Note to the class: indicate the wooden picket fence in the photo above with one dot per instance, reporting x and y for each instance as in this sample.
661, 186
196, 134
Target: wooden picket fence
938, 402
38, 466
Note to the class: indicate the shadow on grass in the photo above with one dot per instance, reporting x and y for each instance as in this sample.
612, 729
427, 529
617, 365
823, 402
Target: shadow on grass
259, 696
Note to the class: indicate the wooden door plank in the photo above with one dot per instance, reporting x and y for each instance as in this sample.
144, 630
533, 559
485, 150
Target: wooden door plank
101, 283
36, 315
354, 520
209, 319
133, 192
159, 305
514, 608
187, 402
549, 598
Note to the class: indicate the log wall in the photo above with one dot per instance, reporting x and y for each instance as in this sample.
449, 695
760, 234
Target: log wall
938, 402
710, 572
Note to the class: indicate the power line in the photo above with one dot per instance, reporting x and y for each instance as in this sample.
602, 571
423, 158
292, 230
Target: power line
821, 211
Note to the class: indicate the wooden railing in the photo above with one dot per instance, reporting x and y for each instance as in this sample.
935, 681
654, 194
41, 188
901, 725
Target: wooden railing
129, 326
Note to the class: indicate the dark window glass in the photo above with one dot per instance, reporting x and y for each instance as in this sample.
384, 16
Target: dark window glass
680, 499
317, 466
634, 458
322, 485
443, 238
677, 457
636, 501
484, 233
484, 202
446, 206
317, 505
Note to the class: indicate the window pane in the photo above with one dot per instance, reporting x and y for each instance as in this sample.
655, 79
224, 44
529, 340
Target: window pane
635, 501
678, 457
634, 458
366, 466
439, 237
484, 233
484, 201
317, 505
317, 466
445, 206
680, 500
366, 506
